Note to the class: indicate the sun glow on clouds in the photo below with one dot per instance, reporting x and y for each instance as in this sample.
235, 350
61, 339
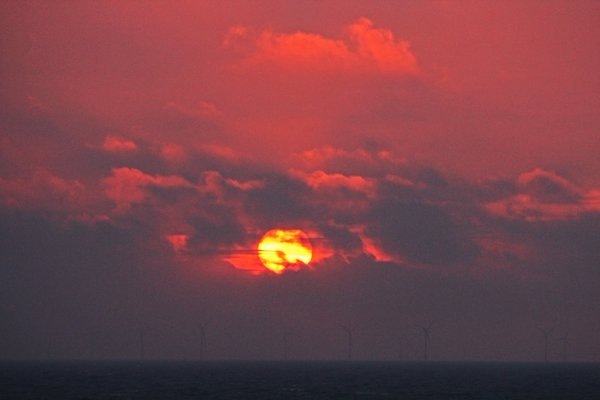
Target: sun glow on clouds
365, 48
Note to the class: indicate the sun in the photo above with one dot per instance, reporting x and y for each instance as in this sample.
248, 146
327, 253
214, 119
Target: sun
281, 249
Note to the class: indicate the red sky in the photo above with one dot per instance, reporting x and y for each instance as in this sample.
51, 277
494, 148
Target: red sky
438, 136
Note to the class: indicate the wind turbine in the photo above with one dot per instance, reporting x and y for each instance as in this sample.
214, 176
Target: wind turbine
547, 333
349, 331
202, 337
425, 331
563, 340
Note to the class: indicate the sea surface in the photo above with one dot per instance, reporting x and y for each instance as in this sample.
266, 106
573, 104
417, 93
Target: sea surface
297, 380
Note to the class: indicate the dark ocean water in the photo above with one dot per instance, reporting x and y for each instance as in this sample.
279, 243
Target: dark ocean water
297, 380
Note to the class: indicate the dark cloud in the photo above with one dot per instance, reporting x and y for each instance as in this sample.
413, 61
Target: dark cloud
548, 187
421, 233
340, 238
282, 201
217, 231
201, 123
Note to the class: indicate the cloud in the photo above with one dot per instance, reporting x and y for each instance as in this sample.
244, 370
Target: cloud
44, 190
173, 153
128, 186
216, 232
365, 49
380, 47
420, 233
356, 203
281, 200
541, 195
548, 187
203, 111
118, 144
178, 241
320, 180
358, 161
177, 123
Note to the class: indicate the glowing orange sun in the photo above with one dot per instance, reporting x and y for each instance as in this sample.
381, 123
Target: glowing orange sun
281, 249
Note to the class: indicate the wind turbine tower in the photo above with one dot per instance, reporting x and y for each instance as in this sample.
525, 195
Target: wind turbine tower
202, 338
425, 331
564, 339
547, 333
348, 331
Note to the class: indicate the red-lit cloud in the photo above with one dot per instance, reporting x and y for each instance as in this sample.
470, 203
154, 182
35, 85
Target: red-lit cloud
364, 49
127, 186
118, 144
542, 196
178, 241
42, 190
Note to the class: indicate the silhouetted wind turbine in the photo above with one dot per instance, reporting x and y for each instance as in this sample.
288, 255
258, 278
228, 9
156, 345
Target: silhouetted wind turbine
563, 340
202, 337
425, 331
547, 333
348, 331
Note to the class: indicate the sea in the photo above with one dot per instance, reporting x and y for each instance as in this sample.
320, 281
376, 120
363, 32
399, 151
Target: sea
297, 380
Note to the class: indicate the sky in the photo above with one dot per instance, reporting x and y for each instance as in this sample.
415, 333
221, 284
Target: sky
441, 157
